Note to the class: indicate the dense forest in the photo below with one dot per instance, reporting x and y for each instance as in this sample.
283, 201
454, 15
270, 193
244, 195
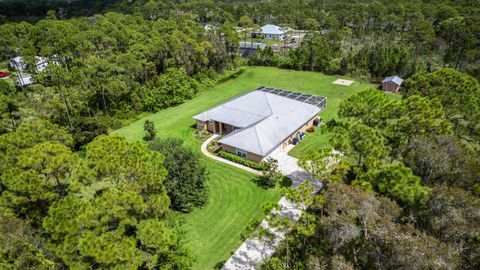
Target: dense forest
405, 193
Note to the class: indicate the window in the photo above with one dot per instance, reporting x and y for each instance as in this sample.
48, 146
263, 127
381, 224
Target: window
242, 153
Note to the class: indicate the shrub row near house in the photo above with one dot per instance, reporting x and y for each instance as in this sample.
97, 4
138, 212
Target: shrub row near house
243, 161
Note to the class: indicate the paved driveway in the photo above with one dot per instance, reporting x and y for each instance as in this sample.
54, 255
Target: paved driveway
253, 251
289, 167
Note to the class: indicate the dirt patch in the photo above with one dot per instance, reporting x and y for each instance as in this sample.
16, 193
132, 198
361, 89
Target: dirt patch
343, 82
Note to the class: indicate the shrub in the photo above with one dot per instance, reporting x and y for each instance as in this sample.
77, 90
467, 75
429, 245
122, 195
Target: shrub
243, 161
202, 134
271, 175
213, 146
186, 177
311, 129
150, 132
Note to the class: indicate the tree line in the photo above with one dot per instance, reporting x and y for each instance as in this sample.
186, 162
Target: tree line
107, 68
372, 39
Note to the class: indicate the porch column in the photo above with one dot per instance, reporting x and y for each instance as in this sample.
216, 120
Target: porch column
220, 127
214, 127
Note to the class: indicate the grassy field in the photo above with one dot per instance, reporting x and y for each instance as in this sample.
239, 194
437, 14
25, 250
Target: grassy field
214, 231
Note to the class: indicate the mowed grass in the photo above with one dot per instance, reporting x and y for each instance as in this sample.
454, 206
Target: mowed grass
214, 231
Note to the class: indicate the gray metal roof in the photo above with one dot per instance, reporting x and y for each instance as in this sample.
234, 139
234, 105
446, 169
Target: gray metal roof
395, 79
272, 29
265, 119
240, 112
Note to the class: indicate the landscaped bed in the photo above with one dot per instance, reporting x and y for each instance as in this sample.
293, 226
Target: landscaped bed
214, 148
214, 231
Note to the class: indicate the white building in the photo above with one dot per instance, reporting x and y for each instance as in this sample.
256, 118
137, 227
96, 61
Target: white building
19, 64
271, 31
24, 80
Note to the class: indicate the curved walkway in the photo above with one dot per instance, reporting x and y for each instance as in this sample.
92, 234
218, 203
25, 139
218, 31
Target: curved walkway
210, 155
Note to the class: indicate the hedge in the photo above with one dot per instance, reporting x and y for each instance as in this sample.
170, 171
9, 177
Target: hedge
237, 159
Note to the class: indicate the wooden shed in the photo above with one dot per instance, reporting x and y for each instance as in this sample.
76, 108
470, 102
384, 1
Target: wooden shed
392, 84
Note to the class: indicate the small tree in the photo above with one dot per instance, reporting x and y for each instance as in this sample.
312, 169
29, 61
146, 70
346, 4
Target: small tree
150, 132
283, 225
186, 177
270, 174
245, 22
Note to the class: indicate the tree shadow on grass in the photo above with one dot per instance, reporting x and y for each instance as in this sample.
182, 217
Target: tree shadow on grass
219, 265
284, 183
232, 76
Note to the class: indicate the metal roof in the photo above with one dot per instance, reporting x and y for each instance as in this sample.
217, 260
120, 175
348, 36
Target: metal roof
267, 116
272, 29
395, 79
240, 112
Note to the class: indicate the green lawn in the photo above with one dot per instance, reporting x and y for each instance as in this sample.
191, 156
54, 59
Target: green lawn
214, 231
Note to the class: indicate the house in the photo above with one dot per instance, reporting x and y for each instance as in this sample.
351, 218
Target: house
248, 49
259, 122
271, 31
19, 64
24, 80
392, 84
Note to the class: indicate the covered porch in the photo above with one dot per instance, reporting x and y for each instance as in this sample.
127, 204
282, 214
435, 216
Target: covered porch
215, 127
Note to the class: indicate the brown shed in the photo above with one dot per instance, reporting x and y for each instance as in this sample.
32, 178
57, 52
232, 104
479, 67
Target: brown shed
392, 84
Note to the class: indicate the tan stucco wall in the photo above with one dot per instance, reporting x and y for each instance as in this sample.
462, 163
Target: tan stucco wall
302, 128
390, 87
254, 157
233, 150
228, 148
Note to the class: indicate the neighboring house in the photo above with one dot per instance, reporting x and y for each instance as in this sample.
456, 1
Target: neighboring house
248, 49
271, 31
261, 121
24, 80
19, 64
392, 84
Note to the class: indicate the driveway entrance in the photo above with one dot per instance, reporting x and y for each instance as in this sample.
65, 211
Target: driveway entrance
289, 167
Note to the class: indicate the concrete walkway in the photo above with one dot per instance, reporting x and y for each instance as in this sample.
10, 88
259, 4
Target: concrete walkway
210, 155
254, 250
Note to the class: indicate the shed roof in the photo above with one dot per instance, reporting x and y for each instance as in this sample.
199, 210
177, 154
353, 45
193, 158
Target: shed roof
395, 79
264, 119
